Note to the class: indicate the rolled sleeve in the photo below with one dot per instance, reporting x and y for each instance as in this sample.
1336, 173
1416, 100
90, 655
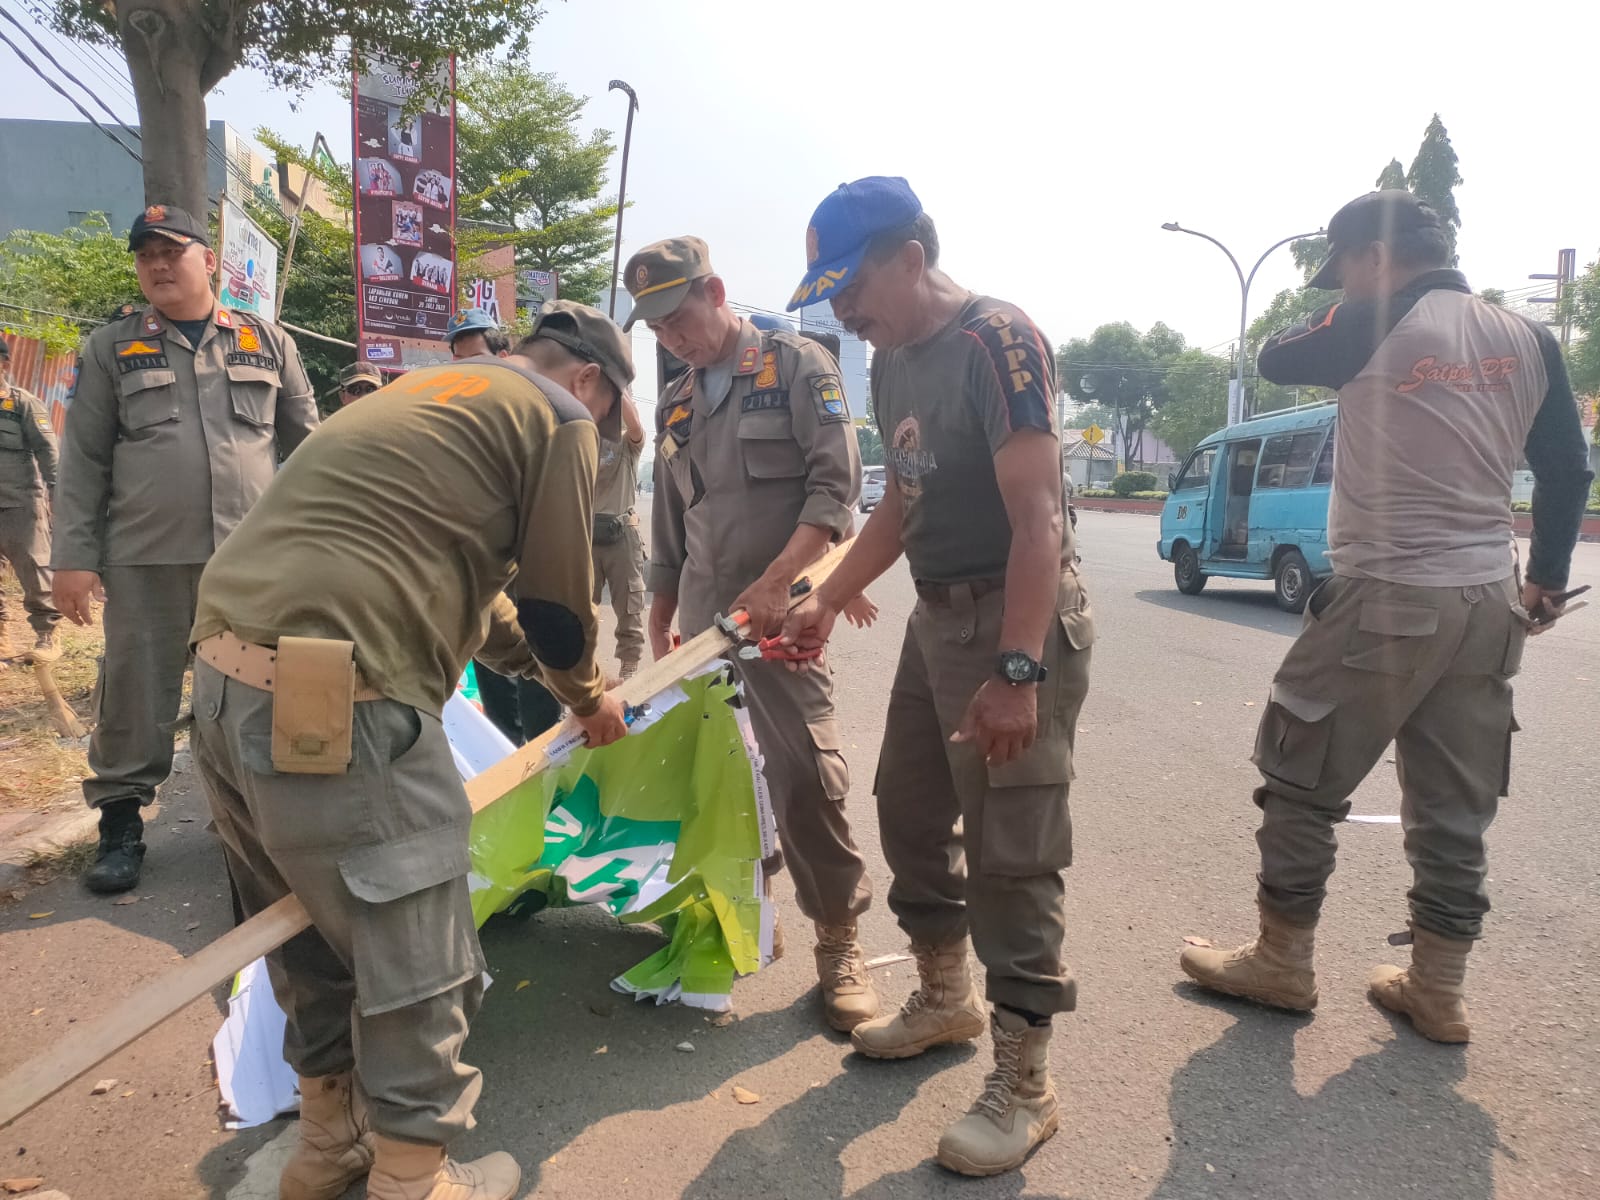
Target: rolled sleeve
827, 438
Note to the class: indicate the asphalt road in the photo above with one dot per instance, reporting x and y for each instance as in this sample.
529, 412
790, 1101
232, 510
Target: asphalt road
1166, 1094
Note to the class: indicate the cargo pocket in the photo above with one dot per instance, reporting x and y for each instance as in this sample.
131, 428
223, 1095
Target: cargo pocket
1516, 640
148, 398
412, 936
1026, 823
1292, 742
768, 448
1505, 771
831, 767
635, 595
1390, 637
254, 392
1077, 619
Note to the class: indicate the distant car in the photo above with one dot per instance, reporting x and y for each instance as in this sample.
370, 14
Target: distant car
873, 481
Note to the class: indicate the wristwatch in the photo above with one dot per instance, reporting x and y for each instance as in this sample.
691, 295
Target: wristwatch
1015, 667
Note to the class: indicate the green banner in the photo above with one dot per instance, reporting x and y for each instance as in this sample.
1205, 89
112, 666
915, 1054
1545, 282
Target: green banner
663, 826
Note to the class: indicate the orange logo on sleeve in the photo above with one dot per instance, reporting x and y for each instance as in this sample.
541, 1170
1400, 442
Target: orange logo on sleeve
249, 339
134, 349
769, 370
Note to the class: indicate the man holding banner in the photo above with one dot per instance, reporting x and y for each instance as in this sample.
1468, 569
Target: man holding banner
318, 735
977, 748
759, 473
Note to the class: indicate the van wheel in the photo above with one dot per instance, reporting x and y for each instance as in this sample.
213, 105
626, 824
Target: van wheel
1186, 571
1292, 581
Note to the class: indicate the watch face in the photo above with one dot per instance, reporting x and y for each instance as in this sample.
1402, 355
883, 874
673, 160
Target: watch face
1018, 668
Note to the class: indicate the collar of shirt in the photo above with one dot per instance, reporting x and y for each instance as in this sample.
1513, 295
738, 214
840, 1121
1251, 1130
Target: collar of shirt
154, 321
1446, 278
713, 383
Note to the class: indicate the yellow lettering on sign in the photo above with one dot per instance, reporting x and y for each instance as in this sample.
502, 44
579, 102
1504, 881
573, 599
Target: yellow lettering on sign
1020, 380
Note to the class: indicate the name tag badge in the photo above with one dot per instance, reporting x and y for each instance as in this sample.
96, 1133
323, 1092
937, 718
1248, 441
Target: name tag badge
141, 354
763, 401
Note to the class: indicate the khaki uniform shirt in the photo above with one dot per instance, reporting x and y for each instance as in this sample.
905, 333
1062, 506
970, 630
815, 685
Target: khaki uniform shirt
168, 445
945, 407
616, 486
25, 439
398, 526
746, 451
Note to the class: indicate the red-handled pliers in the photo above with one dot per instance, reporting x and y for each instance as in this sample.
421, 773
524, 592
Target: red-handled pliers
773, 650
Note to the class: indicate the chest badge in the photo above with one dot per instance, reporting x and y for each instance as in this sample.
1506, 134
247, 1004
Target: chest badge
768, 378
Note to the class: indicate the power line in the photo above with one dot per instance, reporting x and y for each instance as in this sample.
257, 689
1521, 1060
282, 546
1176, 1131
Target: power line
56, 63
87, 53
87, 115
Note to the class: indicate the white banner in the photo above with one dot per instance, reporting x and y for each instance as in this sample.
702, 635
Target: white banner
247, 264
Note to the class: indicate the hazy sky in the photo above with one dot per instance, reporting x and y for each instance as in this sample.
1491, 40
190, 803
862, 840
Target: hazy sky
1051, 140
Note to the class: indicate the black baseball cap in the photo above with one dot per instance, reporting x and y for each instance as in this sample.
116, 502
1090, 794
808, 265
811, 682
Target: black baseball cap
172, 223
1375, 217
594, 337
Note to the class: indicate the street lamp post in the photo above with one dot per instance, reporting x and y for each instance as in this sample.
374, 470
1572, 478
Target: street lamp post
1236, 391
622, 191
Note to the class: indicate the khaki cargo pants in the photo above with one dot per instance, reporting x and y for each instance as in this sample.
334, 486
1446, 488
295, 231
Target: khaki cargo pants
620, 566
808, 781
149, 612
1426, 668
390, 974
25, 543
972, 847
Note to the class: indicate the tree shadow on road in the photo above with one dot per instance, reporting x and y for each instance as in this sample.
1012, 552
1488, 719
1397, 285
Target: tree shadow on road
1250, 609
1390, 1123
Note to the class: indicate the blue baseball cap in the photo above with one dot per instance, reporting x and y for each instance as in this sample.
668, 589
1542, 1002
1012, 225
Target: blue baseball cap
469, 320
843, 225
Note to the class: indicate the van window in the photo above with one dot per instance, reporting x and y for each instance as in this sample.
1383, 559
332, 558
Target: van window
1288, 459
1324, 472
1197, 471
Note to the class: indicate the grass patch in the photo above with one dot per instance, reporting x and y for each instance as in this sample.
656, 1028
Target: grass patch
73, 858
40, 770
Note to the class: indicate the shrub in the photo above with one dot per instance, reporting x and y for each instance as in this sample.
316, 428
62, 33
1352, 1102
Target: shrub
1521, 506
1148, 496
1095, 494
1134, 481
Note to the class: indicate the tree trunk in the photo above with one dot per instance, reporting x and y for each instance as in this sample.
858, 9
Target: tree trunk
175, 56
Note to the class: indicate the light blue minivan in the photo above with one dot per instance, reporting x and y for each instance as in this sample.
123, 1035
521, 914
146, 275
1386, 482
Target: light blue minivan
1251, 502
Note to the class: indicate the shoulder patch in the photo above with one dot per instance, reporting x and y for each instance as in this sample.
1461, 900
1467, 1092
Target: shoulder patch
748, 360
678, 421
829, 396
1022, 368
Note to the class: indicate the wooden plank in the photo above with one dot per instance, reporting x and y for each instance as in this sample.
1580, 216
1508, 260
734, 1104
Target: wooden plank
95, 1041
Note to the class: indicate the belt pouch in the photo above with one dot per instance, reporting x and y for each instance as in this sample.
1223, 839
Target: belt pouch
313, 706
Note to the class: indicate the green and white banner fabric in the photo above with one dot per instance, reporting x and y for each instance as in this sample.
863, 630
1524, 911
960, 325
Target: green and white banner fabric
669, 826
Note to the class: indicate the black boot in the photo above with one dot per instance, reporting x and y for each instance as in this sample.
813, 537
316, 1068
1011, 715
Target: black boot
116, 867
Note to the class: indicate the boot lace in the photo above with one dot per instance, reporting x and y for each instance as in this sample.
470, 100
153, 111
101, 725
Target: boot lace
927, 984
1000, 1087
843, 957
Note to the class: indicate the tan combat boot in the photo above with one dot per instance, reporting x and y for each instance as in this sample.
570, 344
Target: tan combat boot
408, 1171
1431, 992
848, 997
1275, 969
335, 1143
629, 669
1017, 1110
944, 1009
